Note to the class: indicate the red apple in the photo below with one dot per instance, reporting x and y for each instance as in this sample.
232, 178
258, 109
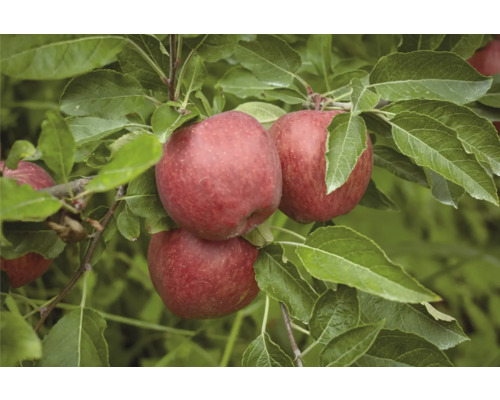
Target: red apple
497, 125
221, 177
30, 266
198, 278
487, 60
300, 138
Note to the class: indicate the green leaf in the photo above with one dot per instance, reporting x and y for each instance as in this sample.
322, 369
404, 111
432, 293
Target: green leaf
431, 144
270, 58
346, 348
242, 83
281, 281
19, 340
476, 133
420, 42
400, 349
411, 318
195, 74
214, 47
20, 150
57, 144
443, 190
374, 198
319, 51
56, 56
263, 352
334, 313
400, 165
103, 93
131, 160
265, 113
128, 224
166, 119
339, 254
31, 238
76, 340
345, 142
22, 203
363, 99
90, 129
492, 98
428, 75
463, 45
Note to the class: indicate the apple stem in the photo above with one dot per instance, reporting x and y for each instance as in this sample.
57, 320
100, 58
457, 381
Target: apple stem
288, 324
86, 264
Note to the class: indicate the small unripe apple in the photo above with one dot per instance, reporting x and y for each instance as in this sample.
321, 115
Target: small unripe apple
300, 138
487, 60
30, 266
198, 278
221, 177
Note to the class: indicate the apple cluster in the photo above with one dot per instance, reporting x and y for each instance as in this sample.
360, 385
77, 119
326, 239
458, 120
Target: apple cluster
220, 178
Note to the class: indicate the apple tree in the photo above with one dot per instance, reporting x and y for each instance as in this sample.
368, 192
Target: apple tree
404, 272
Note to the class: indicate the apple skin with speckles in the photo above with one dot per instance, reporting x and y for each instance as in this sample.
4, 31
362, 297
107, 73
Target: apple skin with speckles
30, 266
300, 138
221, 177
200, 279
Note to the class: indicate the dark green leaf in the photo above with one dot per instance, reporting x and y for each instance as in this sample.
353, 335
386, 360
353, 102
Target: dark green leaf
345, 142
443, 190
57, 144
281, 280
463, 45
20, 150
319, 51
339, 254
374, 198
104, 93
428, 75
19, 340
431, 144
195, 74
56, 56
420, 42
128, 224
346, 348
492, 98
400, 349
334, 313
411, 318
131, 160
76, 340
214, 47
263, 352
270, 58
242, 83
363, 99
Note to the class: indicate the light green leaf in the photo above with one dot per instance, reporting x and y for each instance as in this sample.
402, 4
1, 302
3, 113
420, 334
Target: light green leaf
166, 119
76, 340
492, 98
90, 129
346, 348
363, 99
443, 190
131, 160
195, 74
334, 313
263, 352
242, 83
400, 349
104, 93
56, 56
438, 315
19, 340
22, 203
400, 165
428, 75
339, 254
265, 113
57, 144
214, 47
411, 318
20, 150
270, 58
282, 281
431, 144
476, 133
128, 224
374, 198
319, 51
345, 142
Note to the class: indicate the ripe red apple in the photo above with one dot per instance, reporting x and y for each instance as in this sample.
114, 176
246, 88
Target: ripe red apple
221, 177
487, 60
30, 266
300, 138
198, 278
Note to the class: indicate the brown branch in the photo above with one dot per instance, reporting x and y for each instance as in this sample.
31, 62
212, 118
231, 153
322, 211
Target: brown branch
173, 67
66, 189
288, 324
86, 261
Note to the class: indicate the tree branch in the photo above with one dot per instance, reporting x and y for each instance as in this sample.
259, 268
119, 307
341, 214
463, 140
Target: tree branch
288, 324
85, 266
66, 189
173, 67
